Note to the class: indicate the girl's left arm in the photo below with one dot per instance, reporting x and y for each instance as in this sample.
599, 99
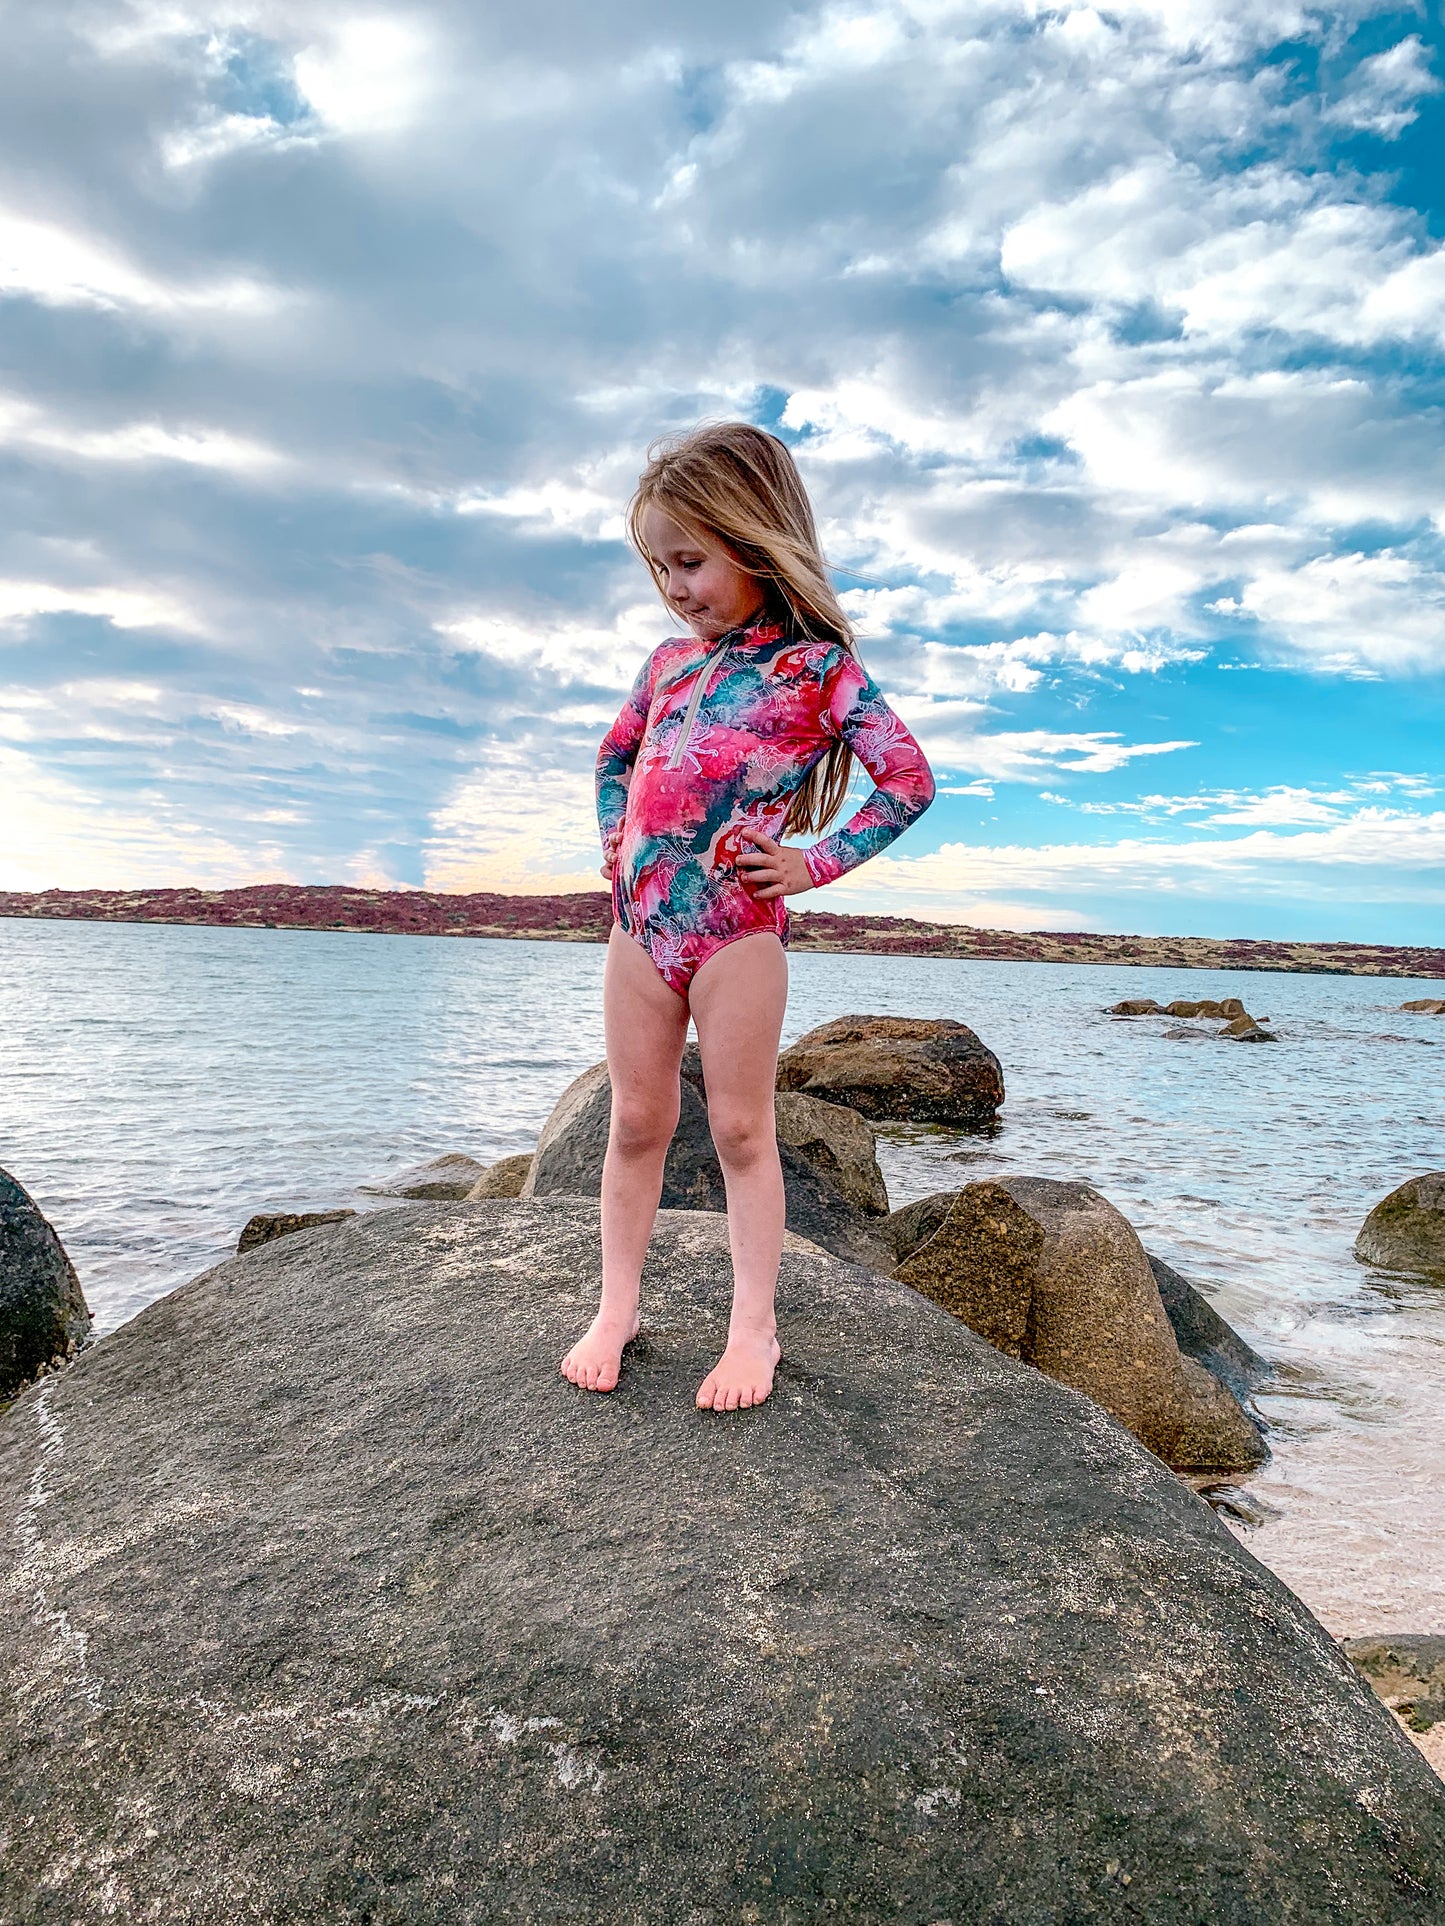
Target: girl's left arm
617, 755
855, 709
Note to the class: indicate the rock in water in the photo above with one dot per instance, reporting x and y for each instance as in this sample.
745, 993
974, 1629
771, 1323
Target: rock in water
573, 1144
1051, 1273
448, 1178
1244, 1029
836, 1141
43, 1314
504, 1178
375, 1618
1135, 1006
1202, 1334
905, 1069
266, 1225
1406, 1230
1427, 1005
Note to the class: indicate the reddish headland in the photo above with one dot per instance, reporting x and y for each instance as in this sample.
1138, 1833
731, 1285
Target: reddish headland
586, 917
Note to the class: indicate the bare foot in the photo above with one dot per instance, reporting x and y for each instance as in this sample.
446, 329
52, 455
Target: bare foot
743, 1375
595, 1360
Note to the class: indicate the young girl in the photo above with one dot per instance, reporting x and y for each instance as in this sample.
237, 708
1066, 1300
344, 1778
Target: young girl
734, 735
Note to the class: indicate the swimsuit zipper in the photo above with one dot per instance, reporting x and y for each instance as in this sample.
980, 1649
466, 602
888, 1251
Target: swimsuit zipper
694, 701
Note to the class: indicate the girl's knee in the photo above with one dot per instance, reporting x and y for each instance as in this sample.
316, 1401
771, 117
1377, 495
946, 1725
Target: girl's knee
743, 1138
641, 1126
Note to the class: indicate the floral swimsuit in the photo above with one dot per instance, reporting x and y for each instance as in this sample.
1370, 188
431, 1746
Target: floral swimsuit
714, 739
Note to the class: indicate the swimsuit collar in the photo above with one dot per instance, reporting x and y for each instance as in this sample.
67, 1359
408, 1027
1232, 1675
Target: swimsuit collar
752, 635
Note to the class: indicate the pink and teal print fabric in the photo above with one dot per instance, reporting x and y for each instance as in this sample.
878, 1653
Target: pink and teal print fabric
671, 806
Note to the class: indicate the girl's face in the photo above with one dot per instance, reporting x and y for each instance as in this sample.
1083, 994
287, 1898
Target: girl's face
699, 578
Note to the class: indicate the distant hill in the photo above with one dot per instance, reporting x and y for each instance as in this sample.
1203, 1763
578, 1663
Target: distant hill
586, 917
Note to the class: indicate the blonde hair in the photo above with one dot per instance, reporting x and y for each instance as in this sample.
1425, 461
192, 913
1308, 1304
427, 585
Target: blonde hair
740, 487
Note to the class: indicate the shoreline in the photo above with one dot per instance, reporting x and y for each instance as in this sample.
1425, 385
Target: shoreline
585, 916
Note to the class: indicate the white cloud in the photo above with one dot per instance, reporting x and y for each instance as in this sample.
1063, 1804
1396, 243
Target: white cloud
371, 74
1380, 856
567, 652
519, 824
22, 424
1020, 755
1282, 804
1384, 611
125, 608
62, 268
1385, 91
60, 836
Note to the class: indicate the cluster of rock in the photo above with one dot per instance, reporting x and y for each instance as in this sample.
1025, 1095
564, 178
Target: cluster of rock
1426, 1006
628, 1661
1238, 1026
1049, 1273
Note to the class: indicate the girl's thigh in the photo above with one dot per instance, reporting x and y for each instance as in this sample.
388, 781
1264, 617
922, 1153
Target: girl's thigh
645, 1025
739, 998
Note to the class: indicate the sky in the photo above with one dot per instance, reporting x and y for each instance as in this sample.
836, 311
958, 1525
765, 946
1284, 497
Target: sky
1109, 342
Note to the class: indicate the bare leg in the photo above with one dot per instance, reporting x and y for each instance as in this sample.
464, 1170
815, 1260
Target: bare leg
738, 998
646, 1026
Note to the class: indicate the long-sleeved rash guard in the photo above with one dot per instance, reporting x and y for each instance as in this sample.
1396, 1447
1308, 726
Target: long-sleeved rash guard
714, 740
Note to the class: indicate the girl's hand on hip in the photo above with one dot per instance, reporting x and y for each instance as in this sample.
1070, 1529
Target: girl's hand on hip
772, 869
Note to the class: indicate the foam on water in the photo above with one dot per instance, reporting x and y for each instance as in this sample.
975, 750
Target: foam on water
158, 1085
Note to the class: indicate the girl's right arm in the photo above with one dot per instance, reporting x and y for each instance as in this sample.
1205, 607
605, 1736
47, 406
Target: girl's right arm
616, 757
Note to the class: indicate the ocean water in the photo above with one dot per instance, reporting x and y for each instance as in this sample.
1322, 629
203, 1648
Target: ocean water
158, 1085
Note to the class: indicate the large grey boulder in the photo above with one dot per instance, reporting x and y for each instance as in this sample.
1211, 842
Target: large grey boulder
906, 1069
573, 1143
1406, 1230
1051, 1273
374, 1618
43, 1314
